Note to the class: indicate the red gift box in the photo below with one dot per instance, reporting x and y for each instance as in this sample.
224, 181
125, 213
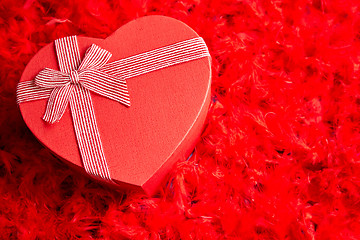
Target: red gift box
168, 106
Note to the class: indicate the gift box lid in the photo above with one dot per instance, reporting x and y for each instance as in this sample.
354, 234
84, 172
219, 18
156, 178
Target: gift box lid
168, 106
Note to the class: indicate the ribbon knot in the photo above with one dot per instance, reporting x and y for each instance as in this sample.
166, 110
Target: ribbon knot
74, 77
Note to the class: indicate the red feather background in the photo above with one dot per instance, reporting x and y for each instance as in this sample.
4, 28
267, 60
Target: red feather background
279, 157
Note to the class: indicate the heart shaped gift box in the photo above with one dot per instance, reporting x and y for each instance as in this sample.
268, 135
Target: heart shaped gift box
163, 73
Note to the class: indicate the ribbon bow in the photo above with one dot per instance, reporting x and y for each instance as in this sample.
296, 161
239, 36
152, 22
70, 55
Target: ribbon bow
76, 79
87, 76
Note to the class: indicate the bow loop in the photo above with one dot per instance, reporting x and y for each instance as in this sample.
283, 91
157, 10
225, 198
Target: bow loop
95, 58
50, 78
106, 85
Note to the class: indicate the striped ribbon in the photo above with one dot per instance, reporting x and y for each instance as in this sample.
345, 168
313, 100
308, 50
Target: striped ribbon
76, 79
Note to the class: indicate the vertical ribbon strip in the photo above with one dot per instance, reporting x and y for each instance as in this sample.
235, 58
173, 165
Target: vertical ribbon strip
82, 110
76, 79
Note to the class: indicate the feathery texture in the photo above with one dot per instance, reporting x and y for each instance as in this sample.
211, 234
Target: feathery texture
278, 159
